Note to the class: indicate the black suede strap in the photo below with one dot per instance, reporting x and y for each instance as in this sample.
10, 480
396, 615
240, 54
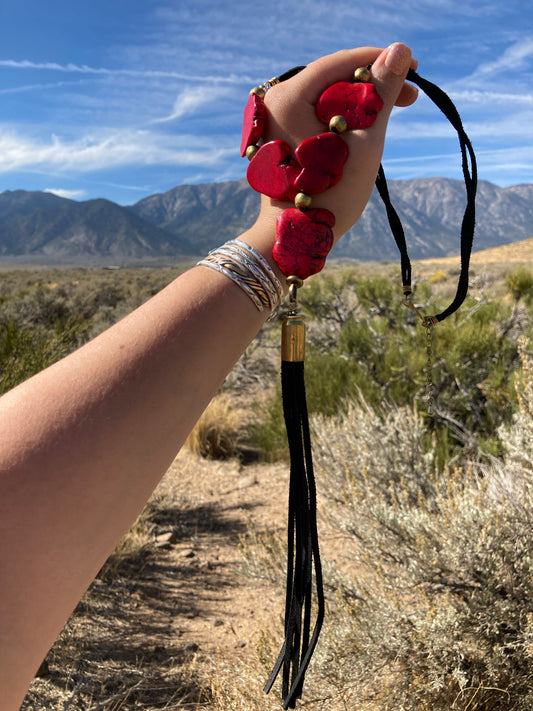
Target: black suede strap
303, 555
469, 166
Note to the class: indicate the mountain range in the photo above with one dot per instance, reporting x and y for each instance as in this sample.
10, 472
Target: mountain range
188, 220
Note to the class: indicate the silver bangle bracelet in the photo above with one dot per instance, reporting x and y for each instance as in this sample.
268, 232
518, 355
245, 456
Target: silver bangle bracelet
257, 266
267, 269
241, 263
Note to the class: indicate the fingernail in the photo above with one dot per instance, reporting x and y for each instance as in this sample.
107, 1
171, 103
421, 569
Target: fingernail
398, 58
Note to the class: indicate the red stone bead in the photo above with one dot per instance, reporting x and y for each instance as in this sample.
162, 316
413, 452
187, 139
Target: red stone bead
303, 241
358, 103
272, 171
253, 122
321, 158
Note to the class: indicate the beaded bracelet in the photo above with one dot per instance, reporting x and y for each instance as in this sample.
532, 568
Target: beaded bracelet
304, 234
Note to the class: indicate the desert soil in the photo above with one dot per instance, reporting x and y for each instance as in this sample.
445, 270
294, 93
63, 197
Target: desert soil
231, 608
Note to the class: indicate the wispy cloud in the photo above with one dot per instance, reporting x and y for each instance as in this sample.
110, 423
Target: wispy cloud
36, 87
514, 60
121, 71
189, 101
110, 149
506, 166
491, 98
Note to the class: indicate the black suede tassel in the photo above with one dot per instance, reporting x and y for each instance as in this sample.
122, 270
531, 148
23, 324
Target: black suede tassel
303, 556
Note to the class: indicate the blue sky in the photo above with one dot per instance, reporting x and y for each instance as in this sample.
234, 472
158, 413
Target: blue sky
125, 98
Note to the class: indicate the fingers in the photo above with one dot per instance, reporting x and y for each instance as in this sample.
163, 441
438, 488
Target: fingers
289, 103
291, 116
407, 96
389, 72
339, 66
389, 68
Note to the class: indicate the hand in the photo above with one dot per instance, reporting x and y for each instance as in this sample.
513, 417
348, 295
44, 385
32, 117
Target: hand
291, 117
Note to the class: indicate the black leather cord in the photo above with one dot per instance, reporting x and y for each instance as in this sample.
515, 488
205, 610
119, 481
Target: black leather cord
469, 166
303, 555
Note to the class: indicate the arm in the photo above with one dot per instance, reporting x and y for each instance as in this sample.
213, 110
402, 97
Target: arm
84, 443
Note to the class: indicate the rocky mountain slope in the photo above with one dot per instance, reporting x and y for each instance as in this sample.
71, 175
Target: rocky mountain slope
188, 220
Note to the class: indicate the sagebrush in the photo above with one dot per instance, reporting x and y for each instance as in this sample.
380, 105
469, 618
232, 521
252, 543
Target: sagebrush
436, 609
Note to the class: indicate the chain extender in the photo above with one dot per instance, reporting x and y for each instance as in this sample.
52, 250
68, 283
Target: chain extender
428, 322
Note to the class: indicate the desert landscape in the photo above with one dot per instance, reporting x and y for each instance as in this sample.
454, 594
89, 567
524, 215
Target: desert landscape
187, 613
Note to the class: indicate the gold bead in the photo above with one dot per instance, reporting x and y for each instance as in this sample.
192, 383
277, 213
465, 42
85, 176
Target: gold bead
362, 74
251, 151
302, 201
338, 124
258, 91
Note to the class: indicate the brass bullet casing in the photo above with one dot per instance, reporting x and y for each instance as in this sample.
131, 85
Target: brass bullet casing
338, 124
303, 201
362, 74
293, 339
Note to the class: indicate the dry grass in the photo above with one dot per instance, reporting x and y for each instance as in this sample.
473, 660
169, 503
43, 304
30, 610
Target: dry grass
221, 430
517, 252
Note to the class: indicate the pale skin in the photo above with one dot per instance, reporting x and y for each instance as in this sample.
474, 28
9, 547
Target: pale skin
84, 443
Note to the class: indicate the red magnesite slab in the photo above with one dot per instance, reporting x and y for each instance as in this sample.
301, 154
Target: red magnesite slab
272, 171
253, 122
359, 103
303, 241
321, 158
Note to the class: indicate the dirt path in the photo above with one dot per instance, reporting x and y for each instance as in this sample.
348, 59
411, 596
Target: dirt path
222, 499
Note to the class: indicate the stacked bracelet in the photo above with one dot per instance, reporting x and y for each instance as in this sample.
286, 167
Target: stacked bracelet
249, 270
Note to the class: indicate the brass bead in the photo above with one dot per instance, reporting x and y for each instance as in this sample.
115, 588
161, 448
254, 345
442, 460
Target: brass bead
258, 91
251, 151
362, 74
338, 124
302, 201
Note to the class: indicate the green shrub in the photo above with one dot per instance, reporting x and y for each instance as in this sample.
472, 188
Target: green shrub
520, 284
45, 314
362, 340
434, 609
25, 350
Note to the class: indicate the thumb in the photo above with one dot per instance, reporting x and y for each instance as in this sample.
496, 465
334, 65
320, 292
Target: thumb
388, 75
348, 198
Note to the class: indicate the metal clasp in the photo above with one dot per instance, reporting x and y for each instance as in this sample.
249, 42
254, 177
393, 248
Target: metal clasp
408, 301
294, 283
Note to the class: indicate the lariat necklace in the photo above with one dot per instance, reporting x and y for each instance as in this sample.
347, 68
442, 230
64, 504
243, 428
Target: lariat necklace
304, 238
